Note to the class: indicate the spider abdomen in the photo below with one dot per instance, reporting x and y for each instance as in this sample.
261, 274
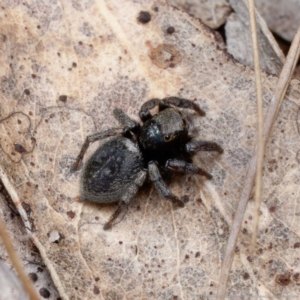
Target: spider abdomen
111, 170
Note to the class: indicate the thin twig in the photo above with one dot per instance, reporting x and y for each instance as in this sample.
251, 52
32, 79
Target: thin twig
274, 107
27, 284
260, 144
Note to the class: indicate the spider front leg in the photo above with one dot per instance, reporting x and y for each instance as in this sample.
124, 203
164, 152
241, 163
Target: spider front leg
127, 197
146, 107
181, 166
165, 103
196, 146
183, 103
160, 185
93, 138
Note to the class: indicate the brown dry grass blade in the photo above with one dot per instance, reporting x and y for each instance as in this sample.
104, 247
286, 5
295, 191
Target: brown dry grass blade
260, 144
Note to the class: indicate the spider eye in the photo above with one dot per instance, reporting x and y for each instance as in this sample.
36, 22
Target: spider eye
169, 137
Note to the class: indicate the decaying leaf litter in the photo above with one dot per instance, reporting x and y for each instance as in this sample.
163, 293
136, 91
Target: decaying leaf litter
155, 249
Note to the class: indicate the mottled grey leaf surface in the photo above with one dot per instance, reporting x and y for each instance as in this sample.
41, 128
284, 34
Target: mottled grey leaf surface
65, 67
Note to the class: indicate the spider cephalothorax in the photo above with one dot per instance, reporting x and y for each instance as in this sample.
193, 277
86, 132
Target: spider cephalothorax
119, 167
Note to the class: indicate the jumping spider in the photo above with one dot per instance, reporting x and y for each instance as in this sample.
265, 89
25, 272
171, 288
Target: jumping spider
119, 167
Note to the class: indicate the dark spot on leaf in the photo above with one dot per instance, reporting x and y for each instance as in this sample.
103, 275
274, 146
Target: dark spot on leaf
170, 30
71, 214
199, 200
33, 277
297, 245
197, 254
62, 98
156, 9
26, 92
187, 256
283, 279
44, 293
246, 276
74, 65
272, 209
249, 258
96, 290
97, 279
144, 17
185, 198
19, 148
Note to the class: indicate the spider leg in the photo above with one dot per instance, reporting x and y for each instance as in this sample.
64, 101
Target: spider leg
160, 185
166, 102
181, 166
125, 120
195, 146
95, 137
127, 197
183, 103
144, 111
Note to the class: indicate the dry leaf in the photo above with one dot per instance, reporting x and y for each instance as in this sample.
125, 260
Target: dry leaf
66, 66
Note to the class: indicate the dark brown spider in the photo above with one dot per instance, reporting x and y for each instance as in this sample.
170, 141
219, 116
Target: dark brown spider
120, 166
